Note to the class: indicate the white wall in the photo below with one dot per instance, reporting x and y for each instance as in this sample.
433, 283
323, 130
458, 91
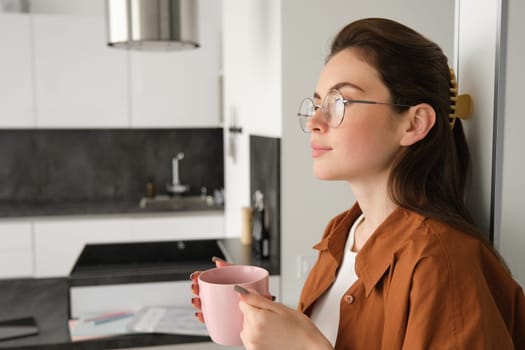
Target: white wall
307, 27
477, 34
493, 74
510, 236
252, 92
69, 7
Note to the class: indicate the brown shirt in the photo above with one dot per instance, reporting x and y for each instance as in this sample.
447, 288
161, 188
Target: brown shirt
421, 285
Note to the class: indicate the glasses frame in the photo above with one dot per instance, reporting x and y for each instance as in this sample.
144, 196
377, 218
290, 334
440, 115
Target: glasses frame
345, 101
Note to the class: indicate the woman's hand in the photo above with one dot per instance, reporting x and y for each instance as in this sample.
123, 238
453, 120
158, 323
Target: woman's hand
196, 301
269, 325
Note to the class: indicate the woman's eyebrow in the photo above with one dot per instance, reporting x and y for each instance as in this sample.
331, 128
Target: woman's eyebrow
340, 85
346, 83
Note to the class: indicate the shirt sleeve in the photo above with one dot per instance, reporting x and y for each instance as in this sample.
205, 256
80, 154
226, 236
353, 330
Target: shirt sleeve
451, 307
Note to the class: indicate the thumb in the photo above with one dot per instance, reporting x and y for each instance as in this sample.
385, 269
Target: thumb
255, 299
219, 262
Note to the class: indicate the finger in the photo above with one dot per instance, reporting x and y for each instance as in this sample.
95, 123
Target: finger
199, 316
194, 277
195, 288
245, 308
255, 299
196, 302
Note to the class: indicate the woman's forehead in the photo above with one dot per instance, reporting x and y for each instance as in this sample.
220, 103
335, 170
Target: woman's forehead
348, 69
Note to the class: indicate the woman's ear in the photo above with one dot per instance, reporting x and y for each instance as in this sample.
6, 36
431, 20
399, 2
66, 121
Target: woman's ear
421, 119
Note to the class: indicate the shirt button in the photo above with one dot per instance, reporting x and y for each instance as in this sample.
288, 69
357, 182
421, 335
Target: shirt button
349, 299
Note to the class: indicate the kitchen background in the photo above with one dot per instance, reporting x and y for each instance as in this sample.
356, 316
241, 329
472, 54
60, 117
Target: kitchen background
45, 167
257, 60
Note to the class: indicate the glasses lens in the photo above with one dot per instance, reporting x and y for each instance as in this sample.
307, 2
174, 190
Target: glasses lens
306, 111
333, 108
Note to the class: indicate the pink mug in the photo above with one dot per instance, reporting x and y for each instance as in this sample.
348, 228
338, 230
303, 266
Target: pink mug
220, 302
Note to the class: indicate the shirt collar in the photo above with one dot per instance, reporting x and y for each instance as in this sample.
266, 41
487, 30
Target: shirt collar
377, 255
337, 233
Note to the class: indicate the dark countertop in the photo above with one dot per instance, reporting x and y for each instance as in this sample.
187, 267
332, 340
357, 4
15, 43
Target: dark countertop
96, 207
47, 300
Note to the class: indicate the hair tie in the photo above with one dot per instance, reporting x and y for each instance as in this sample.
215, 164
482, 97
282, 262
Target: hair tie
460, 105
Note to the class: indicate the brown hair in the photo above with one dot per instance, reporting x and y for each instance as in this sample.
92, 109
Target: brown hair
429, 177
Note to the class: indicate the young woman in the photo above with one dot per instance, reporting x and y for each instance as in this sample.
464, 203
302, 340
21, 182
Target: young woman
404, 268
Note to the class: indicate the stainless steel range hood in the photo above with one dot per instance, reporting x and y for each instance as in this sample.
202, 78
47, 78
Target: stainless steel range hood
152, 24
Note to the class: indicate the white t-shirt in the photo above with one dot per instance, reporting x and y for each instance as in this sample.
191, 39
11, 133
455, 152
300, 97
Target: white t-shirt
325, 313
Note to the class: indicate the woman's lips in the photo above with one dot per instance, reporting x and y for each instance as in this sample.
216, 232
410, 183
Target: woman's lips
319, 150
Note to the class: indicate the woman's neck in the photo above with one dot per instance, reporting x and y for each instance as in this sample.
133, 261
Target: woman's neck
376, 205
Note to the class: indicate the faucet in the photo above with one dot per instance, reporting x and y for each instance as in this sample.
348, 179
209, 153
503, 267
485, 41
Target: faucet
176, 187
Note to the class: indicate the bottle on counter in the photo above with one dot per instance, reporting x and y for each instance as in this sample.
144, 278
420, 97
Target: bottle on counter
246, 225
260, 233
150, 188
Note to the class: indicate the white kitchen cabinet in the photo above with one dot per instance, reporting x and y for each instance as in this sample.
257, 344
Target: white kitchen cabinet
58, 72
16, 249
188, 225
59, 242
16, 94
79, 81
180, 88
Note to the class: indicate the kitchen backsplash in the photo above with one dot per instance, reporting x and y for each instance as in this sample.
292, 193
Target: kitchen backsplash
81, 165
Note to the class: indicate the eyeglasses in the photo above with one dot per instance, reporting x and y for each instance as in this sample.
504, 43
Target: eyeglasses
332, 108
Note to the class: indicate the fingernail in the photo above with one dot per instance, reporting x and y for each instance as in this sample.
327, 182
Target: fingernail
191, 276
215, 258
241, 290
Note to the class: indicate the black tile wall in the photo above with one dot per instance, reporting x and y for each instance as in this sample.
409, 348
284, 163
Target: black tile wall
265, 176
77, 165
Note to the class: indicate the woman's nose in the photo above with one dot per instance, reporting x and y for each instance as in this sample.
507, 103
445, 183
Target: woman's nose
317, 121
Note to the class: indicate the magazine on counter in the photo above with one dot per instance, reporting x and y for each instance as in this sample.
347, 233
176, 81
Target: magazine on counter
168, 320
150, 319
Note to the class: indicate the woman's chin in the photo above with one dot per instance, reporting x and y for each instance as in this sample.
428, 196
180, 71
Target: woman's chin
322, 175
